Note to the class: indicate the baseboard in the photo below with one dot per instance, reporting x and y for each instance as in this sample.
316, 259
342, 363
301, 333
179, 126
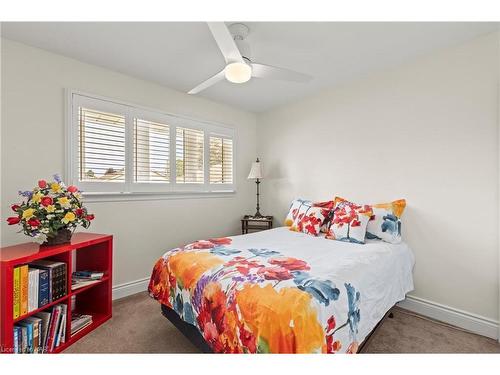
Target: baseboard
459, 318
132, 287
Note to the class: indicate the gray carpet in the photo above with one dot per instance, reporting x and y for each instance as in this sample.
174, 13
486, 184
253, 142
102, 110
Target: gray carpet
138, 326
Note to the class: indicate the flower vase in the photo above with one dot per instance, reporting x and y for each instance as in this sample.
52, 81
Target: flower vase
63, 236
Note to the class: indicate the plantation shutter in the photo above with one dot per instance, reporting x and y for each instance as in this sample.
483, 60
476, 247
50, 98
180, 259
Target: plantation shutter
101, 146
221, 160
189, 156
151, 151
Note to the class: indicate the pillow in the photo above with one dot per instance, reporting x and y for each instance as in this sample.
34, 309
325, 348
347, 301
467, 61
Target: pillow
349, 221
309, 220
327, 212
385, 223
296, 206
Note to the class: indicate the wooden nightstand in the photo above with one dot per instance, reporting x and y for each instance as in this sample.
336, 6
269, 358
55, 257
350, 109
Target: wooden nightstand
255, 224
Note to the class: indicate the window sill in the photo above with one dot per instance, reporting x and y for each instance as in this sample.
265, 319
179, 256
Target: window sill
91, 197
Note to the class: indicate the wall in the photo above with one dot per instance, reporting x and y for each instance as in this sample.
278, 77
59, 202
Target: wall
427, 132
33, 83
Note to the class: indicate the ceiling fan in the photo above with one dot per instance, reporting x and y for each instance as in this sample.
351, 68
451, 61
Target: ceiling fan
239, 65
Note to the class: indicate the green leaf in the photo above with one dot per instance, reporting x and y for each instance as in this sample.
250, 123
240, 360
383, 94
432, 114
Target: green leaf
263, 346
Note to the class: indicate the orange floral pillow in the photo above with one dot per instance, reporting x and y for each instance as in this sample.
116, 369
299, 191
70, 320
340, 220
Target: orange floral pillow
349, 221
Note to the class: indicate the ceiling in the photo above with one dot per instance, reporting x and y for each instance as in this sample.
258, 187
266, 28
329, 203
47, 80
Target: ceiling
180, 55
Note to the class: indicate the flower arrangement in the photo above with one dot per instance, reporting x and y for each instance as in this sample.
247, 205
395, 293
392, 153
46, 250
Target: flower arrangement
51, 211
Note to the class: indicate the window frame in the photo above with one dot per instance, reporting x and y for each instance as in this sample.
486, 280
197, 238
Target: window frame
142, 190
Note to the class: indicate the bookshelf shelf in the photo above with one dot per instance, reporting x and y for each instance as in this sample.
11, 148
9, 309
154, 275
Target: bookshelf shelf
86, 251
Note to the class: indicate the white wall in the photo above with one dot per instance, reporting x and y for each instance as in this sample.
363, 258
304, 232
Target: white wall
426, 132
33, 83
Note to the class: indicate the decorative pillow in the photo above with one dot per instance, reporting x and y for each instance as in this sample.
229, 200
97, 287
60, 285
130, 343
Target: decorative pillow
298, 205
385, 223
327, 212
309, 220
349, 221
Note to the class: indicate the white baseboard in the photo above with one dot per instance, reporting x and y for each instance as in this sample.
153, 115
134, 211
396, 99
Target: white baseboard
459, 318
132, 287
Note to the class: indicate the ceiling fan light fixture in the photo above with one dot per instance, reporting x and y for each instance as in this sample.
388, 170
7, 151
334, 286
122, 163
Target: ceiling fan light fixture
238, 72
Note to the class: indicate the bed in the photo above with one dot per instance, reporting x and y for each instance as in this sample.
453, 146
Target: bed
279, 291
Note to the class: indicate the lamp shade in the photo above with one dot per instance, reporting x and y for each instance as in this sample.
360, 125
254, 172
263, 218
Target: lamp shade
256, 171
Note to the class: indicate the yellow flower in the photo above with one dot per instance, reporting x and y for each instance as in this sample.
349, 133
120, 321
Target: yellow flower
37, 197
70, 216
64, 202
55, 187
28, 213
50, 208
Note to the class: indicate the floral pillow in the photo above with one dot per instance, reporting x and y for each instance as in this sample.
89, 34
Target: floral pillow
297, 206
309, 220
349, 221
327, 212
385, 223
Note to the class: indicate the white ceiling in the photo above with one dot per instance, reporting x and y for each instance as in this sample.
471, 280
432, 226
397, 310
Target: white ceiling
180, 55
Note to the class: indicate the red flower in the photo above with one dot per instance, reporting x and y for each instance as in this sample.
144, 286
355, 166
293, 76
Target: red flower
291, 264
355, 223
72, 189
90, 217
275, 273
46, 201
221, 241
201, 244
13, 220
331, 324
79, 212
42, 184
34, 222
15, 207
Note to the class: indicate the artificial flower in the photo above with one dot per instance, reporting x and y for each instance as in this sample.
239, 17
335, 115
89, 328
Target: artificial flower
37, 197
90, 217
34, 223
46, 201
42, 184
13, 220
15, 207
28, 213
50, 208
55, 187
69, 217
64, 202
72, 189
79, 212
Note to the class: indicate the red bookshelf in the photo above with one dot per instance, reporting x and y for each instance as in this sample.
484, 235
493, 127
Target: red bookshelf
87, 251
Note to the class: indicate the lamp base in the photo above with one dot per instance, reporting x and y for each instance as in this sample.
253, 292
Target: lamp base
258, 215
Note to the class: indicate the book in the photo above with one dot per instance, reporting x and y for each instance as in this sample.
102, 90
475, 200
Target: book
61, 327
29, 335
54, 325
79, 321
80, 283
45, 318
94, 275
57, 277
24, 290
33, 275
43, 287
24, 339
17, 292
36, 322
17, 333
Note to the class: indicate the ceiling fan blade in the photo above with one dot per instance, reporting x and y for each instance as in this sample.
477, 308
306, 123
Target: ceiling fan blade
225, 42
282, 74
209, 82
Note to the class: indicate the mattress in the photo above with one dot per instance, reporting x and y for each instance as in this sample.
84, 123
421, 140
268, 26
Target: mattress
279, 291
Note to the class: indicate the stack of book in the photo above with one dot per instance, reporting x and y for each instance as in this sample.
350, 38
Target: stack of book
37, 284
79, 322
80, 279
42, 332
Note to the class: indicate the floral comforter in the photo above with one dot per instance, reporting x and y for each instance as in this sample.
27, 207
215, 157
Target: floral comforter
282, 292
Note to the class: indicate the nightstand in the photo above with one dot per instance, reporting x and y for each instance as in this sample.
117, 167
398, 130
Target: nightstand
255, 224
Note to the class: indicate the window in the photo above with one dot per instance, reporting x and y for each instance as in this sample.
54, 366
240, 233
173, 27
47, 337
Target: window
221, 160
120, 148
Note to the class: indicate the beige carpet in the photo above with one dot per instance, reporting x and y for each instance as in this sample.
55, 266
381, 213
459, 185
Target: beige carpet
138, 326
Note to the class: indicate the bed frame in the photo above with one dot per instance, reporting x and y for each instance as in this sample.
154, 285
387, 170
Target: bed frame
193, 335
